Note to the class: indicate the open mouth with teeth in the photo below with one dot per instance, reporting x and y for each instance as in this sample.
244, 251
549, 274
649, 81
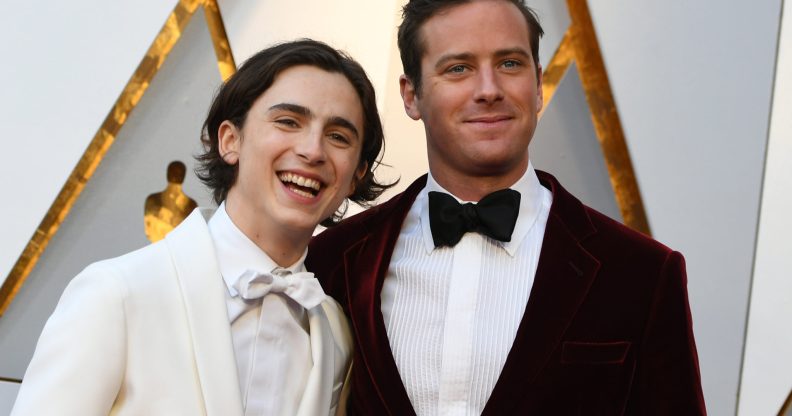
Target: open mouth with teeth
300, 185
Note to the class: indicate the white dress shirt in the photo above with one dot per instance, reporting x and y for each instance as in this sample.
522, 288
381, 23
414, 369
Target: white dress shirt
452, 314
270, 335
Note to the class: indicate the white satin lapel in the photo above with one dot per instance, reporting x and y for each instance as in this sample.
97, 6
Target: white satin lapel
318, 390
202, 288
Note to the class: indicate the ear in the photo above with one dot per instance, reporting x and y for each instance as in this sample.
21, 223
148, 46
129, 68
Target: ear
229, 141
539, 89
407, 91
360, 173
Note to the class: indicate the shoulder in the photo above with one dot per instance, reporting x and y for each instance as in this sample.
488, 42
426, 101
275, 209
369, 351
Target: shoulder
385, 218
107, 284
350, 229
615, 243
151, 259
150, 268
599, 234
624, 239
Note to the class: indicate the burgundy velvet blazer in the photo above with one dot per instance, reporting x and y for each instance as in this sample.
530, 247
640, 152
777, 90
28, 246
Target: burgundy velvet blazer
606, 331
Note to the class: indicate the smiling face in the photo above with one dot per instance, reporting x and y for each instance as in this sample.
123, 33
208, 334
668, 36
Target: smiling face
480, 93
297, 154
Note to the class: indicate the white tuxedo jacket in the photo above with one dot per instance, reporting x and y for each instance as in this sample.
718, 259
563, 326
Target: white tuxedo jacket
147, 333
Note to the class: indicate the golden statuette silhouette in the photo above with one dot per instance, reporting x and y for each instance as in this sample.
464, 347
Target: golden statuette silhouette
167, 209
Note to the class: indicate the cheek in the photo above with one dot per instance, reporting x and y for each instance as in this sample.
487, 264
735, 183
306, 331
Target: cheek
345, 167
349, 174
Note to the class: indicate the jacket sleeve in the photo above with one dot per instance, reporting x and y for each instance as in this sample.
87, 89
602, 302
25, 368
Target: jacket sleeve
667, 375
78, 365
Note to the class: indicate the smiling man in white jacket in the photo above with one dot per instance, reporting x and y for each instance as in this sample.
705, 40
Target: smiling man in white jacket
221, 317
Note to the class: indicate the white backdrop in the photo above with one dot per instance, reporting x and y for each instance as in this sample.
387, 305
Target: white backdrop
693, 82
64, 65
767, 373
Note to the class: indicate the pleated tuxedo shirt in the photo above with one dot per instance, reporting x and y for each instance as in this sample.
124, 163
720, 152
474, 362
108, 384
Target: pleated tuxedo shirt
452, 314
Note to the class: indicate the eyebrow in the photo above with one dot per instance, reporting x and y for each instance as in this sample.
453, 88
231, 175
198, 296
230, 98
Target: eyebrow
467, 55
452, 57
306, 112
512, 51
292, 108
344, 123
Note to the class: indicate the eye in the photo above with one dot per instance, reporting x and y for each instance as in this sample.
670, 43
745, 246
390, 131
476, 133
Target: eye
456, 69
287, 122
339, 138
511, 64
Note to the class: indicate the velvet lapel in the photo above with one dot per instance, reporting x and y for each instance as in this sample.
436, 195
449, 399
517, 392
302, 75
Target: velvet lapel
202, 288
366, 264
563, 277
318, 390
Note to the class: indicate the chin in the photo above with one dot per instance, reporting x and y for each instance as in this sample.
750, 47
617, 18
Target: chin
496, 166
299, 221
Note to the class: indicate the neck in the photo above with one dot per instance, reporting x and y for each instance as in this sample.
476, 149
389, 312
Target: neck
474, 187
173, 187
283, 246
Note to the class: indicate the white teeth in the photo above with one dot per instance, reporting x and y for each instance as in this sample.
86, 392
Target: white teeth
303, 193
300, 181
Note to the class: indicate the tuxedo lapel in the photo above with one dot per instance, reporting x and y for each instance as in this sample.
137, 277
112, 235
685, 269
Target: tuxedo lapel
318, 390
202, 288
563, 277
365, 266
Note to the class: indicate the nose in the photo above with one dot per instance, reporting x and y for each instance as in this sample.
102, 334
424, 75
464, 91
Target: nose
310, 147
488, 88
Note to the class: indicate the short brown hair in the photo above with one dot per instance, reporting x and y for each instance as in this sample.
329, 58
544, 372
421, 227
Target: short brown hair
416, 12
235, 97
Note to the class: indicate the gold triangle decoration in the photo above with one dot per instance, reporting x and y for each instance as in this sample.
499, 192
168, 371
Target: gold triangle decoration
579, 44
167, 37
556, 70
786, 408
225, 60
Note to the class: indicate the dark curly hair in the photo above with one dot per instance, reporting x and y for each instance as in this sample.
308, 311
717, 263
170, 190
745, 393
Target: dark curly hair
416, 12
235, 97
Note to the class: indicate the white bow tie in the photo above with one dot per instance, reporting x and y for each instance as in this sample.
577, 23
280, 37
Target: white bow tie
302, 287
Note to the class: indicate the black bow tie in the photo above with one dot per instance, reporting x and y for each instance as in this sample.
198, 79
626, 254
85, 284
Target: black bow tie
493, 216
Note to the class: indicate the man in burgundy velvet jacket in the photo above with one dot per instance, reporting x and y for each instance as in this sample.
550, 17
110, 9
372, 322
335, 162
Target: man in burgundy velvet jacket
519, 300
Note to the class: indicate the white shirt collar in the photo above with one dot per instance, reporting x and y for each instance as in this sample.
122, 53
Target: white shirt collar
530, 205
236, 253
